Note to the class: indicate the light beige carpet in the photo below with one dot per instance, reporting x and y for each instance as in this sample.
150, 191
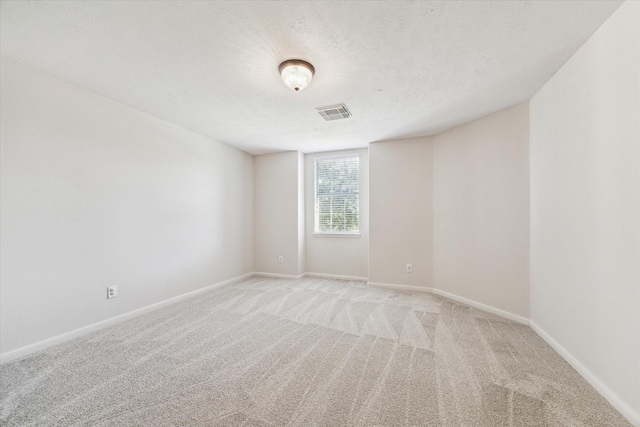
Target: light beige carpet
308, 352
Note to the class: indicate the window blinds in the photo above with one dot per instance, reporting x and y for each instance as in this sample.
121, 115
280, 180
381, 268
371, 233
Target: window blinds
336, 193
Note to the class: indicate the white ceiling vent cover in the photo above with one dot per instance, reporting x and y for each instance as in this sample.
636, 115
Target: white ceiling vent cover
334, 112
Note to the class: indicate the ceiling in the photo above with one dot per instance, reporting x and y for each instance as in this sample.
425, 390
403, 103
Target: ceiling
403, 69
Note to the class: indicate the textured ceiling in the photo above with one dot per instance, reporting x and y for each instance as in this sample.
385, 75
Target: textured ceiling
402, 68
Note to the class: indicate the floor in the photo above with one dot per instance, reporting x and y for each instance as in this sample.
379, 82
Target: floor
305, 352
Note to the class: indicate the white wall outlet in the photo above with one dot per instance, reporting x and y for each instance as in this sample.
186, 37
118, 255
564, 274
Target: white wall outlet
281, 259
409, 268
112, 292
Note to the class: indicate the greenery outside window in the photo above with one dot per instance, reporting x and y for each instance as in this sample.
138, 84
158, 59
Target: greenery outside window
337, 194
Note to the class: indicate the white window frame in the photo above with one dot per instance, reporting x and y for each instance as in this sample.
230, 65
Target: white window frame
315, 197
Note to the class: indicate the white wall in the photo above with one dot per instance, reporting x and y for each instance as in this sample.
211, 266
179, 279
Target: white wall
301, 215
456, 207
481, 210
94, 193
276, 219
585, 209
401, 212
344, 256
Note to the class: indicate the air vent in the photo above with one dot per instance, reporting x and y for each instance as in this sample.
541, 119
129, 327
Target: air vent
334, 112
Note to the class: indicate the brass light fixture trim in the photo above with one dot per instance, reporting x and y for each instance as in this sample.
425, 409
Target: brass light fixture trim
296, 73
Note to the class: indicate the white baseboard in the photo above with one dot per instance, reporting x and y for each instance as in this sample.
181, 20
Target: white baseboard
278, 276
41, 345
483, 307
466, 301
337, 276
403, 288
606, 392
321, 275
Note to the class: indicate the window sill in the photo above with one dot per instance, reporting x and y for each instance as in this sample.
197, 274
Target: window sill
337, 235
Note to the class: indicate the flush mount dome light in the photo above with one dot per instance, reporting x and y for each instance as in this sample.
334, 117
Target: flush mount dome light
296, 73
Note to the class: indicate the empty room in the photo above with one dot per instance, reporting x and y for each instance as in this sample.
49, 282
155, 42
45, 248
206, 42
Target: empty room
320, 213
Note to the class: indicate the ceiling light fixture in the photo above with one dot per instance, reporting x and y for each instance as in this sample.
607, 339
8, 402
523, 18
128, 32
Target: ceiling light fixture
296, 73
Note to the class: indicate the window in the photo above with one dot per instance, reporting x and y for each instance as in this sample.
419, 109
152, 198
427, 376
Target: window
336, 194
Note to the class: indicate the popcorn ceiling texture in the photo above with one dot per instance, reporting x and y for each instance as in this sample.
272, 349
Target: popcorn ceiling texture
402, 68
307, 352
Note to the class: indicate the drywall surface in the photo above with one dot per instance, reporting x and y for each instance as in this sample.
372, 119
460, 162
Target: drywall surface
481, 210
401, 212
276, 218
301, 214
94, 193
343, 256
585, 206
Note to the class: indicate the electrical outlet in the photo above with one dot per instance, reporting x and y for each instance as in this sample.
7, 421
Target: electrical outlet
409, 268
112, 292
281, 259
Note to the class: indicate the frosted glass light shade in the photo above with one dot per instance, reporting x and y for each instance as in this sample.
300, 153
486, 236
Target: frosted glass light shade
296, 73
